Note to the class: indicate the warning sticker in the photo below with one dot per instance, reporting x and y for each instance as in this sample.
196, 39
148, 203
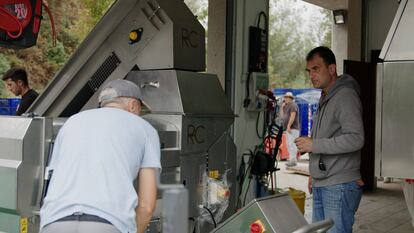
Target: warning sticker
23, 225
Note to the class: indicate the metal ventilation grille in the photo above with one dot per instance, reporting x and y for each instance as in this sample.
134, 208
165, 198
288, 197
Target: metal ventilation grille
104, 71
98, 78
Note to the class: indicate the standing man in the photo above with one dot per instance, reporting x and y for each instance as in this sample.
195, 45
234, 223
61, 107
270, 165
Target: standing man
290, 113
335, 146
16, 82
98, 154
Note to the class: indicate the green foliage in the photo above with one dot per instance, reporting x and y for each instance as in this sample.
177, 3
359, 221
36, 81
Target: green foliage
73, 21
96, 10
200, 10
57, 54
69, 40
326, 26
4, 66
291, 37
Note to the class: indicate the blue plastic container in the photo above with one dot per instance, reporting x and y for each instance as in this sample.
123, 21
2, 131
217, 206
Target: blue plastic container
13, 111
306, 111
8, 106
4, 102
4, 111
14, 102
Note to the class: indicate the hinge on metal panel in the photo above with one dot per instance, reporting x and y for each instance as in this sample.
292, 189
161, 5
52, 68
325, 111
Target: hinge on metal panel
152, 12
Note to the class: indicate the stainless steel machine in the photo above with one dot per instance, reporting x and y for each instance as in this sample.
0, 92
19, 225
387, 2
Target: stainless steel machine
394, 125
272, 214
24, 143
394, 150
159, 45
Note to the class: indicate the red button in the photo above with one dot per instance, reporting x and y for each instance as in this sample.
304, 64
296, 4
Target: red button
255, 228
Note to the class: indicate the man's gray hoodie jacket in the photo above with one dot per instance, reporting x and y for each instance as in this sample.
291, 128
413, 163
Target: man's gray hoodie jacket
338, 135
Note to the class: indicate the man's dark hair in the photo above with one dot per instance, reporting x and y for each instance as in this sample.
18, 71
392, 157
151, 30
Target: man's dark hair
16, 74
324, 52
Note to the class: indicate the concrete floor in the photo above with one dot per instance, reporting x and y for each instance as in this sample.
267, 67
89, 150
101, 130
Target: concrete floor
383, 211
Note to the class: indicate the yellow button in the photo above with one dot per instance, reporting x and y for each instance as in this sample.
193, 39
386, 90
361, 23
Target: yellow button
213, 174
133, 35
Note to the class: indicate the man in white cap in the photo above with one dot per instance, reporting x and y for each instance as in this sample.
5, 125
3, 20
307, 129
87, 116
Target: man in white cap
98, 154
290, 113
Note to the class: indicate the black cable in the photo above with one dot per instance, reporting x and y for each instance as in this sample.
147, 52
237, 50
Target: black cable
251, 153
248, 175
257, 126
194, 227
242, 171
247, 190
265, 120
49, 174
276, 164
212, 216
247, 99
277, 144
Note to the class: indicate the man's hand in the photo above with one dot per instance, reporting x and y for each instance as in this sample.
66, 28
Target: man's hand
310, 185
360, 182
304, 144
147, 197
288, 129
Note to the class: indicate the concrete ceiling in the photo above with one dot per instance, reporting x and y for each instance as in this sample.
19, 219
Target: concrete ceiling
330, 4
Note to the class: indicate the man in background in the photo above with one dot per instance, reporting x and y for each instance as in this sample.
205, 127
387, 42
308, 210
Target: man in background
16, 82
97, 156
290, 113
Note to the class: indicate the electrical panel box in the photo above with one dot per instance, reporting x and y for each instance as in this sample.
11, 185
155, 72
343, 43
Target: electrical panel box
258, 49
259, 84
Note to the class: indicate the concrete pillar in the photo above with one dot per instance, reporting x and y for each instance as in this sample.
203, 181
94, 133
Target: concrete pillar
245, 124
354, 29
216, 39
346, 38
340, 44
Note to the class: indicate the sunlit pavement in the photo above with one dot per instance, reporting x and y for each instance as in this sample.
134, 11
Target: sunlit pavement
286, 179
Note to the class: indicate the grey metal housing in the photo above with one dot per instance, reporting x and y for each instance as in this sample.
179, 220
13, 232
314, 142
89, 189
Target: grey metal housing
394, 129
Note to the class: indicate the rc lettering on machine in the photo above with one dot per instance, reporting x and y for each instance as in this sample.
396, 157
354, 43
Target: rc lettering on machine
189, 38
195, 134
